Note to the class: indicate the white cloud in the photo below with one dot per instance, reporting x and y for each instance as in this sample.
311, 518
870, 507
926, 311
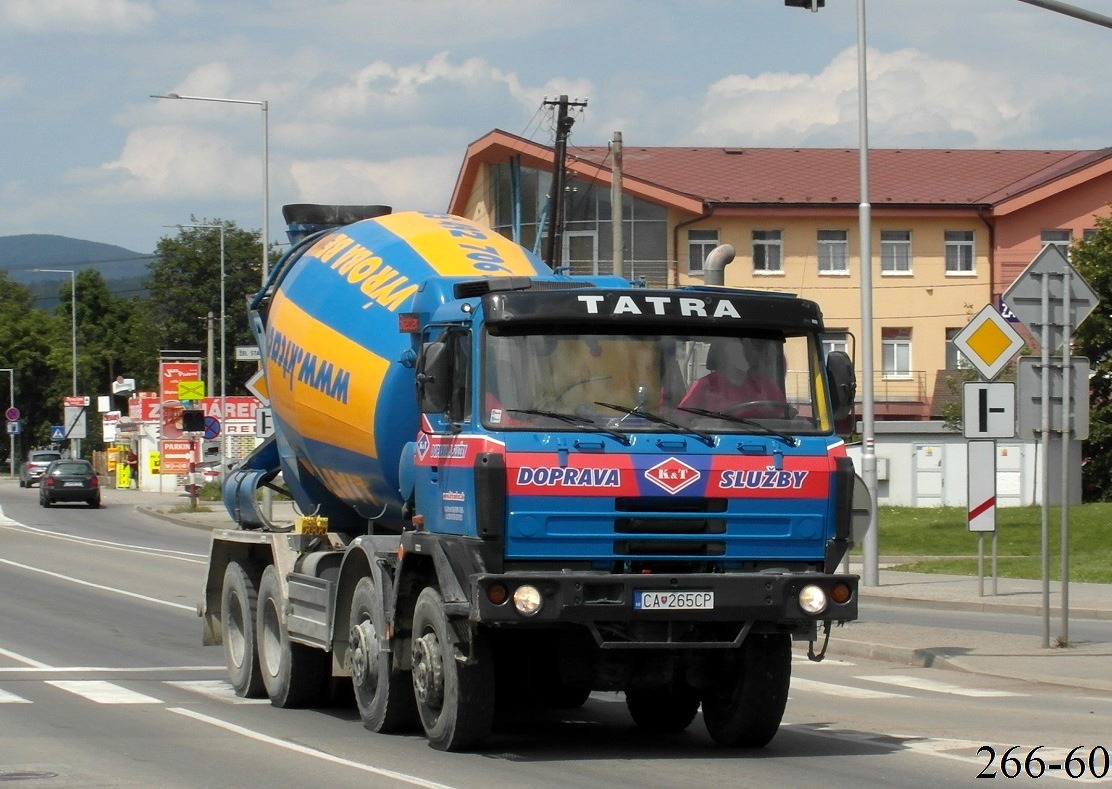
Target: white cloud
177, 162
416, 182
914, 100
75, 16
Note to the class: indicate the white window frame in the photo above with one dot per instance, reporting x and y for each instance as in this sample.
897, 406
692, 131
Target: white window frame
835, 340
894, 252
895, 354
952, 353
1059, 238
960, 252
771, 245
833, 252
699, 248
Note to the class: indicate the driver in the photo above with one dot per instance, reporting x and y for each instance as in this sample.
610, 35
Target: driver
735, 379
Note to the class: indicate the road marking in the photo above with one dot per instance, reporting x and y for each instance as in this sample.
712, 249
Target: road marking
844, 691
103, 692
920, 683
124, 592
798, 657
306, 751
166, 553
22, 659
217, 689
11, 698
41, 667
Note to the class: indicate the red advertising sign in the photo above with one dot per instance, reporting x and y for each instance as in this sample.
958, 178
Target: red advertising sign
177, 455
171, 373
240, 407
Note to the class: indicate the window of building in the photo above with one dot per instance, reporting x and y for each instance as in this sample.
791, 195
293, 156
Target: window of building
835, 340
955, 359
1059, 238
699, 245
1088, 233
959, 251
895, 251
895, 352
833, 252
767, 249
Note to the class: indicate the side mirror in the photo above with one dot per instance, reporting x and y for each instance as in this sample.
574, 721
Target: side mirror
843, 383
434, 378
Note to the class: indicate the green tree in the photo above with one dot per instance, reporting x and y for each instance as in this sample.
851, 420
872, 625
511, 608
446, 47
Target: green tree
184, 286
27, 337
1092, 257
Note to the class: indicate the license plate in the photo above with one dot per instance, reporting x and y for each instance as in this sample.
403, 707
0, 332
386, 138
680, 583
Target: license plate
672, 601
71, 485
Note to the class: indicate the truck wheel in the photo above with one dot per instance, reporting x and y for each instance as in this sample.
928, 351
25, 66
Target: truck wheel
383, 695
454, 691
294, 674
238, 602
664, 710
746, 708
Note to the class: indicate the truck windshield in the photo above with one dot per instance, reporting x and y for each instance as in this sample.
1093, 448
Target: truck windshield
758, 383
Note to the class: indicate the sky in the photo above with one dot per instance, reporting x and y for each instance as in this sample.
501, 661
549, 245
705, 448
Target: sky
375, 101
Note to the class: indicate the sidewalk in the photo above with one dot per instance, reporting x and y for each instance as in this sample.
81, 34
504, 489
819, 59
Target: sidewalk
1013, 656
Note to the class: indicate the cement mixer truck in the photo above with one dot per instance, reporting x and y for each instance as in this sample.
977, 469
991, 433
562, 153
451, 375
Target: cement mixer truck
511, 494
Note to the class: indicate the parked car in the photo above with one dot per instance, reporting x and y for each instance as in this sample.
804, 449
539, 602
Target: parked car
69, 480
35, 464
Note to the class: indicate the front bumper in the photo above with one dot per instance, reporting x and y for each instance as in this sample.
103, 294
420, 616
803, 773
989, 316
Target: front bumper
591, 598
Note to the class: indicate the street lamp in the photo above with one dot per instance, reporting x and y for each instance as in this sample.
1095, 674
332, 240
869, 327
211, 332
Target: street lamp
11, 405
223, 348
265, 107
76, 442
869, 548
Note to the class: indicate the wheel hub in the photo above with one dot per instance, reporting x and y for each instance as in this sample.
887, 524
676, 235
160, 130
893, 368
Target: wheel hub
428, 671
363, 638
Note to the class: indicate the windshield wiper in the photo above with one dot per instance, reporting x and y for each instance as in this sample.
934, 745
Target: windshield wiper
789, 440
573, 419
660, 420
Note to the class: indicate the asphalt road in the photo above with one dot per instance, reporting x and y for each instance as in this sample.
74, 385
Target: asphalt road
103, 682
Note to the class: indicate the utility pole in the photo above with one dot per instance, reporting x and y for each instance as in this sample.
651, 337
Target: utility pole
616, 202
564, 122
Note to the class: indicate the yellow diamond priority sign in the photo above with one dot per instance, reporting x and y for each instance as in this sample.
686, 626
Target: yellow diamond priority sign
989, 342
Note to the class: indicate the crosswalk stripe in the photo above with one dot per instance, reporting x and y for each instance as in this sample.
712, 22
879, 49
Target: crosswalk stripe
11, 698
103, 692
803, 659
844, 691
921, 683
217, 689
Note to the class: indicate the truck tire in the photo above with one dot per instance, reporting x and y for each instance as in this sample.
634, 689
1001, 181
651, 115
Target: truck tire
238, 604
383, 695
663, 710
294, 675
745, 709
455, 697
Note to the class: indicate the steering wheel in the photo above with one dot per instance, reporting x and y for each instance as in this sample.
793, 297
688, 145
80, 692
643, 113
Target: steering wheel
785, 408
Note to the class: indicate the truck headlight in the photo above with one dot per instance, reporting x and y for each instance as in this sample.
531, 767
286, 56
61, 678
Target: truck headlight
527, 600
812, 599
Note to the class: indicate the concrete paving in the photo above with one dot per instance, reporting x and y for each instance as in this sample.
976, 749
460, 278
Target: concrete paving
1019, 657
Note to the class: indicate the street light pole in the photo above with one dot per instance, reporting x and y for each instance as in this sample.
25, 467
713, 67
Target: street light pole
265, 107
11, 404
223, 349
75, 442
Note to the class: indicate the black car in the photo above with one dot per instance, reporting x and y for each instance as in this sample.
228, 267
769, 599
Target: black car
69, 480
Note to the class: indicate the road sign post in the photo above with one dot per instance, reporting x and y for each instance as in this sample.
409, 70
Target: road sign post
1052, 298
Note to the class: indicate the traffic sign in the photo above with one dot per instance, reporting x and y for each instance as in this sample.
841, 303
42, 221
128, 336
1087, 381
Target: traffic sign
988, 342
981, 486
212, 427
13, 428
191, 390
1029, 376
256, 385
989, 410
11, 414
1025, 296
248, 353
57, 433
264, 423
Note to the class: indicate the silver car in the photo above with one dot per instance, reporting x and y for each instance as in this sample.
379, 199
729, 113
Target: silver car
33, 467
